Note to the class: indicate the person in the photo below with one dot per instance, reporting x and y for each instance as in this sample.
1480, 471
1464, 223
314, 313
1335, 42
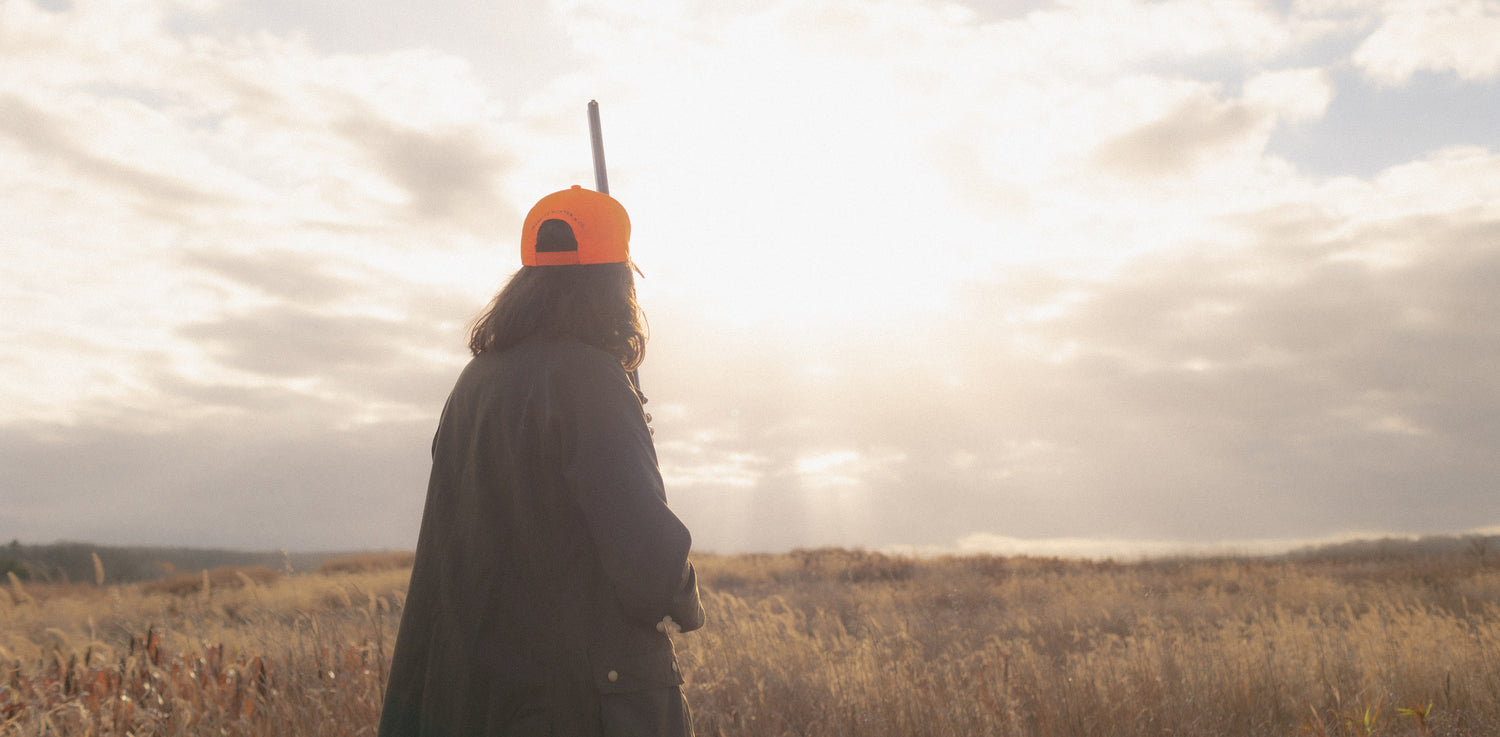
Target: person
549, 571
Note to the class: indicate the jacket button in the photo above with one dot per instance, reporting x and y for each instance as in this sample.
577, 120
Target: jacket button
613, 676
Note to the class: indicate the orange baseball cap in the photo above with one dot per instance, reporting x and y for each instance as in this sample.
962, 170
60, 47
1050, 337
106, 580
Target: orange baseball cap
575, 226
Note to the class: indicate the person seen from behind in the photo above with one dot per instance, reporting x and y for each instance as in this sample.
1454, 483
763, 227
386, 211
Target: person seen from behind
549, 571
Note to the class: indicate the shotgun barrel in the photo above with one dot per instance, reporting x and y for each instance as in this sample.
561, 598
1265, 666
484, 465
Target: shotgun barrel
601, 185
596, 139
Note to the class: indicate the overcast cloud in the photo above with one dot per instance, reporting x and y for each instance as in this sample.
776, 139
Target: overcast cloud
1104, 277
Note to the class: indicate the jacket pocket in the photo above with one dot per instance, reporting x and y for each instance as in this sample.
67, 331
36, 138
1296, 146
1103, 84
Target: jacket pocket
655, 712
614, 674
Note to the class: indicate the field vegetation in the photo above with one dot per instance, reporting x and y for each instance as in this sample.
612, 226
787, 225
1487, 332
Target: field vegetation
824, 642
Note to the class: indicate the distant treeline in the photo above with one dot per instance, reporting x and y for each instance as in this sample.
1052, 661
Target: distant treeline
71, 562
1483, 549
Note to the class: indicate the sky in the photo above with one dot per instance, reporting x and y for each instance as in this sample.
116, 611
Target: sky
1094, 277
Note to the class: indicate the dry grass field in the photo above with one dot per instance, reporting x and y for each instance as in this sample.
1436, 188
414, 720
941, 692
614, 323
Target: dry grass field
825, 642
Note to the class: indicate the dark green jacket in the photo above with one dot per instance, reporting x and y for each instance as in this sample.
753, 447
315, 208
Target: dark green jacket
547, 556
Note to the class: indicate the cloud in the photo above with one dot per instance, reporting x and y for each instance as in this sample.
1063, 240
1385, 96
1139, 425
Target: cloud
1294, 95
1174, 143
393, 362
1100, 548
281, 274
208, 195
49, 138
448, 174
1453, 36
252, 482
293, 342
1099, 37
1192, 124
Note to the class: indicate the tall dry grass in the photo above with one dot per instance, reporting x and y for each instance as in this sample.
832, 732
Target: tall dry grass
835, 643
830, 643
237, 653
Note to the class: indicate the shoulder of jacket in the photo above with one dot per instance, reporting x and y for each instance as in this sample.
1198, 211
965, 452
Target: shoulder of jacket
564, 364
554, 357
567, 352
572, 362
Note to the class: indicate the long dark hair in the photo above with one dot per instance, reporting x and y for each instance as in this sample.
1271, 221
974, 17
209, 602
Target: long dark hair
592, 303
